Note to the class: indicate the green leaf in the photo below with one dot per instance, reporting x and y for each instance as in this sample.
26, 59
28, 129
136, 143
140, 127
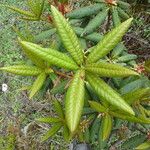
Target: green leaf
118, 50
97, 106
38, 83
23, 70
106, 126
96, 22
23, 12
109, 70
45, 35
49, 120
126, 58
66, 133
68, 36
106, 93
75, 101
123, 5
135, 95
115, 17
144, 146
109, 42
59, 109
85, 11
94, 37
36, 6
130, 117
123, 14
52, 56
132, 142
94, 129
51, 132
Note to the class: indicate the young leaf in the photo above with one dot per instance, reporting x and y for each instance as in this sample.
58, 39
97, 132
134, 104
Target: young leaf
53, 56
49, 120
97, 106
106, 126
106, 93
144, 146
23, 70
58, 109
85, 11
37, 84
96, 22
68, 36
51, 132
109, 42
74, 101
109, 70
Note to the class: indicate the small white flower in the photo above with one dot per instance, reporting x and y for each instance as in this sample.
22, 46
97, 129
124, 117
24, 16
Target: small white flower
4, 87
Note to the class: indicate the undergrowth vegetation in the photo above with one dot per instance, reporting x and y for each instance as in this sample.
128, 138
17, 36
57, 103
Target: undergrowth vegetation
86, 84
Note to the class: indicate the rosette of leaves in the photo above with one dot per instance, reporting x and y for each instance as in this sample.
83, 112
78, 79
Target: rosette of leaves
99, 12
40, 69
86, 68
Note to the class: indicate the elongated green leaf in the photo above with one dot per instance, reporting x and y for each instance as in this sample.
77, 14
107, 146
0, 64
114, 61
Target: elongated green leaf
136, 95
118, 50
94, 129
49, 55
109, 70
66, 133
68, 36
95, 37
115, 17
37, 84
123, 5
85, 11
95, 22
144, 146
130, 117
18, 10
106, 93
74, 101
59, 109
123, 14
106, 126
127, 58
133, 142
23, 70
109, 42
45, 35
51, 132
49, 120
97, 106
